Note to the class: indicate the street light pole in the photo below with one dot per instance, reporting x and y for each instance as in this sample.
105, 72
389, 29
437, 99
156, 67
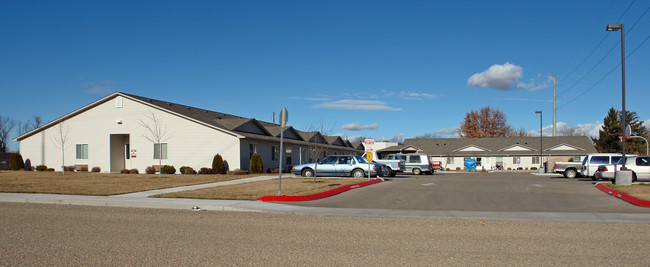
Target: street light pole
616, 27
541, 147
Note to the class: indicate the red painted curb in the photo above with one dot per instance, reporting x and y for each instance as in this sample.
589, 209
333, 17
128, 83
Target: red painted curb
319, 195
623, 196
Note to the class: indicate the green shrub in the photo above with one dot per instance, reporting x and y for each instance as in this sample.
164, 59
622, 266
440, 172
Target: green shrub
182, 169
256, 165
41, 168
168, 169
16, 162
217, 164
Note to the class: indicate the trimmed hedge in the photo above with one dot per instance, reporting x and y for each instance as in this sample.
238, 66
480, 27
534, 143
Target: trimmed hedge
217, 164
168, 169
16, 162
256, 165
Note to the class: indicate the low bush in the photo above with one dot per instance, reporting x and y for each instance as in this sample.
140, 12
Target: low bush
16, 162
96, 169
168, 169
520, 168
150, 170
125, 171
205, 170
276, 170
188, 170
509, 168
267, 170
237, 172
533, 168
458, 168
41, 168
448, 169
68, 168
134, 171
83, 169
50, 169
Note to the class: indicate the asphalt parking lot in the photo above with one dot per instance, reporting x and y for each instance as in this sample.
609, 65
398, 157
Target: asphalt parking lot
481, 191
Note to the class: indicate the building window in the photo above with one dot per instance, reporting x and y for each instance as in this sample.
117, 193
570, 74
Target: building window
82, 151
160, 151
450, 160
274, 153
252, 149
535, 160
516, 160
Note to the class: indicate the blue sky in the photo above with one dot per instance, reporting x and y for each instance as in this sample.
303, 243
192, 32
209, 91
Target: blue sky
377, 69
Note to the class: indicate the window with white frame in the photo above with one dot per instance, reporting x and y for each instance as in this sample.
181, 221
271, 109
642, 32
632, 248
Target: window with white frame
516, 160
160, 151
535, 160
450, 160
82, 151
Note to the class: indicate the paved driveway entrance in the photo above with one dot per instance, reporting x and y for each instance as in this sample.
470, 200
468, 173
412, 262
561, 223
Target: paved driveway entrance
499, 191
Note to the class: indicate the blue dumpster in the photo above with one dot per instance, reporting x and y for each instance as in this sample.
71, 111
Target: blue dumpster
470, 164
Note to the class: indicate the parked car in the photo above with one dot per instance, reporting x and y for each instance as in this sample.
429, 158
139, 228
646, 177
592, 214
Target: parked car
418, 163
592, 161
568, 169
341, 165
639, 165
393, 162
437, 165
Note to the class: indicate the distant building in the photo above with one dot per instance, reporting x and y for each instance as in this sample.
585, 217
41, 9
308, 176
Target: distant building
109, 134
507, 152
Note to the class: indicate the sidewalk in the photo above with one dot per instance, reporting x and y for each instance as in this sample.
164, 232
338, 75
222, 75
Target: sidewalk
142, 200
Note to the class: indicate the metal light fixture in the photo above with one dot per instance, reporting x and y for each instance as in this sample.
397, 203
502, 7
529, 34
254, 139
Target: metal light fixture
610, 28
540, 141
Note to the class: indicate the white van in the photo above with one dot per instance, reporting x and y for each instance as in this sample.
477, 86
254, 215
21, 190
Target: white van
592, 161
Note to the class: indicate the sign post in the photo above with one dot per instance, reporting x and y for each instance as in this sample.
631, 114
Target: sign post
369, 144
284, 117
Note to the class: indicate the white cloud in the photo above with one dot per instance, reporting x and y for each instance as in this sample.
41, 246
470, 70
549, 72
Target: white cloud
310, 98
525, 100
356, 138
590, 129
453, 132
531, 86
355, 126
415, 96
501, 77
350, 104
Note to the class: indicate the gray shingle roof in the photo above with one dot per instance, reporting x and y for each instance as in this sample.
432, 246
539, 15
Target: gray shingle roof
234, 123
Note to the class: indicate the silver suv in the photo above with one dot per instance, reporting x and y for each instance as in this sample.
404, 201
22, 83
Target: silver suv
417, 163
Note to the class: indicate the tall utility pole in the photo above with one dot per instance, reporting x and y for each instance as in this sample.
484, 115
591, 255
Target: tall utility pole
554, 109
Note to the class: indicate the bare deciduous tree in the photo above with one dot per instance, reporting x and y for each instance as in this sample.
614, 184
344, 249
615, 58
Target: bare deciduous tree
316, 145
6, 125
487, 122
31, 124
60, 139
156, 131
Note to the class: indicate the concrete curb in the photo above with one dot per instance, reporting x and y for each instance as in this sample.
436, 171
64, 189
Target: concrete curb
623, 196
320, 195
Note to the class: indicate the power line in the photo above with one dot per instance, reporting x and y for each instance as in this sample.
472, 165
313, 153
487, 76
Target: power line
606, 54
605, 76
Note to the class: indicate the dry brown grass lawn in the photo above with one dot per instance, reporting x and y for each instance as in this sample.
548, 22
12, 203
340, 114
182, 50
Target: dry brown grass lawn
640, 191
255, 190
101, 184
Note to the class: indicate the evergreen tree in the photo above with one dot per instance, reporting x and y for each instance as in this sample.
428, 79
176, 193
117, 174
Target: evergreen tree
608, 136
217, 164
256, 165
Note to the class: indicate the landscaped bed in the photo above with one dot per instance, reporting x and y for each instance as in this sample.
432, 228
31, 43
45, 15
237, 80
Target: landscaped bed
255, 190
100, 184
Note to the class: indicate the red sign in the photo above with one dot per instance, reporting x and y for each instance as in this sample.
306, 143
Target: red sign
134, 153
369, 144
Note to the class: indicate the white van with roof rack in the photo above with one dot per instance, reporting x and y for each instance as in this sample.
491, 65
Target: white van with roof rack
592, 161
